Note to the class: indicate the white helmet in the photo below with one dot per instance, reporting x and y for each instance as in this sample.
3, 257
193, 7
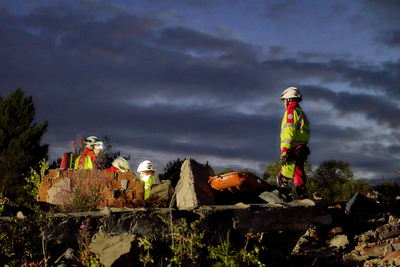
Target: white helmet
92, 141
121, 164
291, 92
146, 166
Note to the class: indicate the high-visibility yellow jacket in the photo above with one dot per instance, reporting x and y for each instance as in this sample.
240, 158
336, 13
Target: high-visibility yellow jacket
295, 129
85, 160
149, 179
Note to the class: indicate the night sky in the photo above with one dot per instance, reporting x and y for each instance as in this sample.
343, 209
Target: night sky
202, 79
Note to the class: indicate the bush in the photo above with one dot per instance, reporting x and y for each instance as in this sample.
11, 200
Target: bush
388, 191
81, 195
20, 137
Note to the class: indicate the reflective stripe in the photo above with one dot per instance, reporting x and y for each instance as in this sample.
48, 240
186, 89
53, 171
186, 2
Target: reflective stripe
293, 142
300, 127
294, 131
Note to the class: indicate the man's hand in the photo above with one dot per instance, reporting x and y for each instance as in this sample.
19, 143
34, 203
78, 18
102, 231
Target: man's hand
283, 160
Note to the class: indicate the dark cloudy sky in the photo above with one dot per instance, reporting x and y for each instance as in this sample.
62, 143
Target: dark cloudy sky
202, 79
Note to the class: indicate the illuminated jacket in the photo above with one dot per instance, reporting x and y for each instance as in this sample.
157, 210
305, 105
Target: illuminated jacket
149, 179
295, 129
85, 160
112, 169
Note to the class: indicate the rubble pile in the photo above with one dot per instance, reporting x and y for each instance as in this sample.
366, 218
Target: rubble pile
365, 233
362, 232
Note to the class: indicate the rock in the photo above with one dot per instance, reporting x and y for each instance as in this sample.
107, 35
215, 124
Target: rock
391, 259
339, 241
361, 205
69, 254
106, 210
271, 197
334, 231
110, 248
20, 215
164, 189
306, 242
59, 191
193, 189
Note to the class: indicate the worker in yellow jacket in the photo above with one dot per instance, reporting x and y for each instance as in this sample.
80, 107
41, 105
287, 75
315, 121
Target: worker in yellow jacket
146, 169
86, 159
295, 134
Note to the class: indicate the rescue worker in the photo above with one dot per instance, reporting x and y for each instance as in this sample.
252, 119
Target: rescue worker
295, 134
118, 165
146, 171
93, 146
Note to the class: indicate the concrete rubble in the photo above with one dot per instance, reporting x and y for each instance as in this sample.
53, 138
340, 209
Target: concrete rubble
362, 232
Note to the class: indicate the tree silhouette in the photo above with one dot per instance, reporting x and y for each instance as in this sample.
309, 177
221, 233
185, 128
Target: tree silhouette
20, 137
172, 172
329, 180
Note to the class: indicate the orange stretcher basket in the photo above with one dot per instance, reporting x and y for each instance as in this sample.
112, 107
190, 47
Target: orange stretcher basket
239, 181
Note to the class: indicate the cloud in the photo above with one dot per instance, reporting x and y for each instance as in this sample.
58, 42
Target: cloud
163, 89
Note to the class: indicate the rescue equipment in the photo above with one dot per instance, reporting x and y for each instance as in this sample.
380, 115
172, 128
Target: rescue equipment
239, 181
67, 161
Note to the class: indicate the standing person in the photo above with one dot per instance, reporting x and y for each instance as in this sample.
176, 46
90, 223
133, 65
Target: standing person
86, 159
118, 165
295, 134
146, 169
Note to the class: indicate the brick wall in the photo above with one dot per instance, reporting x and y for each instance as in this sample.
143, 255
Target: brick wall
118, 189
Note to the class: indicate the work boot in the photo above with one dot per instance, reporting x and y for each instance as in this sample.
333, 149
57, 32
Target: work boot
285, 191
301, 191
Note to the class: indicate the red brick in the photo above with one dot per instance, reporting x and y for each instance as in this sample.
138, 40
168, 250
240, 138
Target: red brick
43, 190
116, 203
103, 183
46, 182
102, 203
52, 173
108, 175
114, 185
137, 194
134, 203
124, 194
107, 193
126, 176
66, 173
135, 185
129, 194
42, 198
94, 174
54, 181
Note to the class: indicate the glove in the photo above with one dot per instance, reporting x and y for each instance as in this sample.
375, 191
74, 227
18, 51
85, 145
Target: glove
283, 160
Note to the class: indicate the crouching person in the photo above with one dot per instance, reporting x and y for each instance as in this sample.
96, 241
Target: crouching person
118, 165
146, 169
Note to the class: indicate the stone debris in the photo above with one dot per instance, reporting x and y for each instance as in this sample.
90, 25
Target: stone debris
193, 189
361, 232
163, 190
344, 246
110, 248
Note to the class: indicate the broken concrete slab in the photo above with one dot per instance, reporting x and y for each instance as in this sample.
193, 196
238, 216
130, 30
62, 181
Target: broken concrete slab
361, 205
110, 248
271, 197
391, 259
61, 189
164, 189
193, 189
339, 241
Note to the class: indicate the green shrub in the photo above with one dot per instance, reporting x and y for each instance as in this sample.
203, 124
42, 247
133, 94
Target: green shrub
388, 191
84, 194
